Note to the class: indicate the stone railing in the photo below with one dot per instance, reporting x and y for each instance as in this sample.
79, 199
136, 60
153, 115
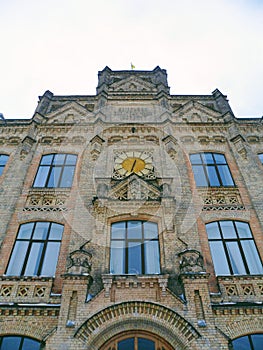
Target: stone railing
26, 290
221, 198
47, 199
241, 288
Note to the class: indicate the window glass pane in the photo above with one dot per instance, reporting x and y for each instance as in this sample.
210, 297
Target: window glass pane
67, 176
236, 260
241, 344
152, 257
54, 177
10, 343
199, 175
3, 159
30, 344
212, 230
219, 158
117, 257
56, 231
25, 231
47, 159
145, 344
228, 229
1, 169
118, 230
134, 230
252, 257
126, 344
17, 259
195, 158
261, 157
50, 260
41, 230
71, 159
207, 158
257, 340
150, 230
134, 258
212, 176
243, 229
41, 178
34, 258
59, 159
225, 175
219, 258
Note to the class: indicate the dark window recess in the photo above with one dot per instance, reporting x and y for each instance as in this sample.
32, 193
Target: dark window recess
211, 170
56, 170
36, 250
233, 248
134, 248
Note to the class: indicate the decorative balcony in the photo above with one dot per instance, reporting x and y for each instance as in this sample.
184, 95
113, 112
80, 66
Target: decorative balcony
245, 288
27, 290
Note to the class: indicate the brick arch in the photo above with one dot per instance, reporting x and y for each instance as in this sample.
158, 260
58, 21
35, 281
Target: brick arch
239, 328
137, 315
20, 328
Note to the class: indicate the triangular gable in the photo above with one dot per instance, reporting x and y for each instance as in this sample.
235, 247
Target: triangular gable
132, 84
135, 188
71, 112
195, 112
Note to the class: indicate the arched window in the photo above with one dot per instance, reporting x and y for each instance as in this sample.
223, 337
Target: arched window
12, 342
211, 170
233, 248
136, 341
134, 248
3, 161
56, 170
248, 342
36, 250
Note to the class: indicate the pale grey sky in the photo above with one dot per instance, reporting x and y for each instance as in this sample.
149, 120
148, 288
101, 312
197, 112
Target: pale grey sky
60, 45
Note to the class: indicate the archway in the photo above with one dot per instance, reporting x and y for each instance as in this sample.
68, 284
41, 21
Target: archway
136, 340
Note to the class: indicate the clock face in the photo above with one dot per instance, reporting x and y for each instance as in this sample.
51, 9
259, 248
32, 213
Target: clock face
133, 162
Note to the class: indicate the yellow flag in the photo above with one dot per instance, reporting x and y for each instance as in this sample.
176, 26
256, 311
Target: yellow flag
132, 66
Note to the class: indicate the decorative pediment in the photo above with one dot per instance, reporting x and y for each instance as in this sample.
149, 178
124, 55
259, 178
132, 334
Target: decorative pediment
71, 112
135, 188
195, 112
132, 85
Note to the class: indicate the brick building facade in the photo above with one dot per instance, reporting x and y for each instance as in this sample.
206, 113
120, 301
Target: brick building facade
131, 219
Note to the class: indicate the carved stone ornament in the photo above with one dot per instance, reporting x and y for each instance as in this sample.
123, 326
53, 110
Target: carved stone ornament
191, 261
80, 261
135, 188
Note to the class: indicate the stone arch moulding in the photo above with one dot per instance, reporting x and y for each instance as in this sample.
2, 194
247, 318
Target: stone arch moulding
240, 328
137, 315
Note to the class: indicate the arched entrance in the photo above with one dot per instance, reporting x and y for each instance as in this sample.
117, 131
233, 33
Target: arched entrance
136, 340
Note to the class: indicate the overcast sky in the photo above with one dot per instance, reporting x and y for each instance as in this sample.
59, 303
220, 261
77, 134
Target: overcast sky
60, 45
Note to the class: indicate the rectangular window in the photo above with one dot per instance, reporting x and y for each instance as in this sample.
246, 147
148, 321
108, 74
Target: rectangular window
56, 171
233, 248
36, 250
211, 170
134, 248
3, 161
